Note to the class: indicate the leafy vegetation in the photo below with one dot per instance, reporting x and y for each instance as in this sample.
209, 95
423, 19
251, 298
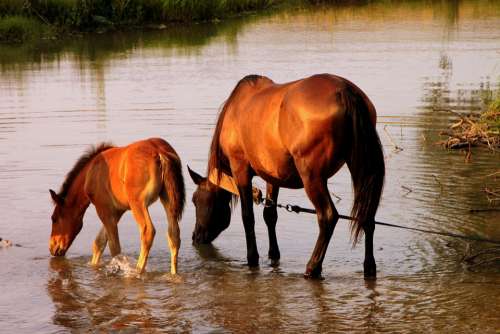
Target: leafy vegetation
491, 117
19, 29
19, 18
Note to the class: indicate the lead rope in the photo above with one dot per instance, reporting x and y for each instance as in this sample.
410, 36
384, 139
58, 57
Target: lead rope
259, 200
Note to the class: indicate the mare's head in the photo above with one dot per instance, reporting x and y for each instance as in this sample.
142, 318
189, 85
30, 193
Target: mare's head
67, 221
213, 209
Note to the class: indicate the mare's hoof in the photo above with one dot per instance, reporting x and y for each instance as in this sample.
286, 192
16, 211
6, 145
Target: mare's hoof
275, 263
370, 272
253, 262
371, 276
274, 257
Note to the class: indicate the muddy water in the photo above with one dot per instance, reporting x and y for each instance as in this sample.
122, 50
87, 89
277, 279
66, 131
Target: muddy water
416, 61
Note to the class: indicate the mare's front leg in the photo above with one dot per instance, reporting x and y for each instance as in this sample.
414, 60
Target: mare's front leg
244, 182
317, 191
271, 217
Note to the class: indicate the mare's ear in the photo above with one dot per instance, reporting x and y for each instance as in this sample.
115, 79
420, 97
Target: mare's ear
197, 178
56, 198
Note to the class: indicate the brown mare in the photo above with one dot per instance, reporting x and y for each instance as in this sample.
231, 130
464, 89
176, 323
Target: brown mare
117, 179
292, 135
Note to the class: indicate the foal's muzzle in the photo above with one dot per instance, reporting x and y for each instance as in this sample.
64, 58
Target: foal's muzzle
56, 249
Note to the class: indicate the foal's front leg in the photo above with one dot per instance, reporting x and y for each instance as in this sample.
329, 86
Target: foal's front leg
99, 245
109, 233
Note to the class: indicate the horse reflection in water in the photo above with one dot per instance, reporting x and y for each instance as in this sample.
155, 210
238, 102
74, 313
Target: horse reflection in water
292, 135
114, 180
88, 303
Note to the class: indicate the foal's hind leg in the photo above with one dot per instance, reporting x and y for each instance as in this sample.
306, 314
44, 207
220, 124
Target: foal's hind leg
271, 217
317, 191
173, 237
141, 215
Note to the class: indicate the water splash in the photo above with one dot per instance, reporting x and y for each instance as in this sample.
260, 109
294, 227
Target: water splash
120, 266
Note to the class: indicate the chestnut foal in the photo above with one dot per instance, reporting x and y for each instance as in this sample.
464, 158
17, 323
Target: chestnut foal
114, 180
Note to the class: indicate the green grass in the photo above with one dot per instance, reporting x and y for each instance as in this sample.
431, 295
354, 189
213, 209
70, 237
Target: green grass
11, 7
19, 17
491, 117
18, 29
84, 14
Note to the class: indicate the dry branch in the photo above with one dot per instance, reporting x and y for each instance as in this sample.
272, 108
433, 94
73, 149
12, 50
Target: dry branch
470, 132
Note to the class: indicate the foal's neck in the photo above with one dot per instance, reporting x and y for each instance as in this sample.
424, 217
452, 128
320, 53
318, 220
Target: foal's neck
77, 197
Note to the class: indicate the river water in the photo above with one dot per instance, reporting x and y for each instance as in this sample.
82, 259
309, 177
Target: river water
417, 61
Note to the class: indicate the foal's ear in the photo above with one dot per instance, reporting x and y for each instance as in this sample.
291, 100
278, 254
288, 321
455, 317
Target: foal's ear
55, 197
197, 178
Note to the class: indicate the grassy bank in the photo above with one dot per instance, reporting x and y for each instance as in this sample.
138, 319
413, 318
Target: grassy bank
491, 117
17, 28
22, 20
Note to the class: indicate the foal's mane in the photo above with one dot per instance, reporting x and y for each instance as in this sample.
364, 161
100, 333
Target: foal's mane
80, 164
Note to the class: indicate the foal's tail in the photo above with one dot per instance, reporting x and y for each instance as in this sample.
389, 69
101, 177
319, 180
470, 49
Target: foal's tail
365, 160
173, 185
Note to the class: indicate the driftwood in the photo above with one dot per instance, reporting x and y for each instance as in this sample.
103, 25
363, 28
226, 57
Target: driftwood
485, 257
472, 131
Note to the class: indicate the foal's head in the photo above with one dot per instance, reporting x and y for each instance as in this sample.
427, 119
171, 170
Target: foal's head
67, 221
213, 209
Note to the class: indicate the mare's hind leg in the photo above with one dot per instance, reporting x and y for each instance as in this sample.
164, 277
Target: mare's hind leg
99, 245
271, 217
369, 266
147, 230
173, 236
317, 191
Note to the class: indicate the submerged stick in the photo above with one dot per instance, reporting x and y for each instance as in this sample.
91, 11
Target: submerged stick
396, 147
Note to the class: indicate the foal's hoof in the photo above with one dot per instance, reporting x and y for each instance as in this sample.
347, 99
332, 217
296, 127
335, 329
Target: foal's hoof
313, 274
275, 263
